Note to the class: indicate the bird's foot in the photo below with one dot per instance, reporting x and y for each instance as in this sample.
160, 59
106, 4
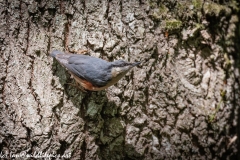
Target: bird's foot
77, 86
80, 51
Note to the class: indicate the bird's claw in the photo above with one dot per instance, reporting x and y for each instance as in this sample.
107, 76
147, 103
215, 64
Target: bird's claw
80, 51
78, 86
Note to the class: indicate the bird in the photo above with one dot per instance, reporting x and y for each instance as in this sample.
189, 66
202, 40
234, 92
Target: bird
93, 74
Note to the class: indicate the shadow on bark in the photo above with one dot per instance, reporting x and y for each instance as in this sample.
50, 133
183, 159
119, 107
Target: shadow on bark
104, 128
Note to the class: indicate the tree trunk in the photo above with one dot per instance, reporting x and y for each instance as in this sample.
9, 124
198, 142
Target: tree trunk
181, 103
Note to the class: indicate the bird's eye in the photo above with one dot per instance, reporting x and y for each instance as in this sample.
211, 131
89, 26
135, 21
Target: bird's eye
124, 64
120, 63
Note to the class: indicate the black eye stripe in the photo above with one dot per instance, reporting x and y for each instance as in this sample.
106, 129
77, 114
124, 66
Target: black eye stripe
121, 65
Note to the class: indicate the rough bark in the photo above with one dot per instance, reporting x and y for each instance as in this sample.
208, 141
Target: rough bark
181, 103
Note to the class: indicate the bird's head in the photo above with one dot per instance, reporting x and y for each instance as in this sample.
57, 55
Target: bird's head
121, 67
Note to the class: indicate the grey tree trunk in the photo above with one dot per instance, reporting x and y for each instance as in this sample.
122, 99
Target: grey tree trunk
181, 103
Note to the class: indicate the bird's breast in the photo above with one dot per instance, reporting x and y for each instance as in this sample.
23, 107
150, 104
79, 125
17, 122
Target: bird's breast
88, 85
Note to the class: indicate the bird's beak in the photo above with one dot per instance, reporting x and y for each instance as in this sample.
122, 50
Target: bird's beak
135, 64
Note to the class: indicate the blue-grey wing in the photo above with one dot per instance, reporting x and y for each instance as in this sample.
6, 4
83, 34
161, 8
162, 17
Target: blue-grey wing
94, 70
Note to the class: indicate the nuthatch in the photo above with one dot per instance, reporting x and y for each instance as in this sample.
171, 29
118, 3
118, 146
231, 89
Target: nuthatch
93, 73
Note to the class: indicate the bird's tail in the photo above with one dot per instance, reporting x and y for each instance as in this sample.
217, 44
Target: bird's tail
55, 52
